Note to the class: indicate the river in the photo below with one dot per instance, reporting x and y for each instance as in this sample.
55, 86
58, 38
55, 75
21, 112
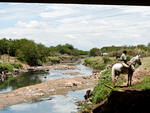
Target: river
56, 103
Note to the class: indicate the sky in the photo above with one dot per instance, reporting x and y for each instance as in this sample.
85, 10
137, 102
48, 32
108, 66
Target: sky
83, 26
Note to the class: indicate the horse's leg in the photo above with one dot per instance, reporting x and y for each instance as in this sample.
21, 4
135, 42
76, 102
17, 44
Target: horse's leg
113, 79
113, 76
129, 78
116, 78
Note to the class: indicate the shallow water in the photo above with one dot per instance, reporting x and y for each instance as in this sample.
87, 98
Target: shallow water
34, 77
56, 74
58, 104
23, 79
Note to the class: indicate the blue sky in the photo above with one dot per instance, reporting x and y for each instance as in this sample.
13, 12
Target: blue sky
84, 26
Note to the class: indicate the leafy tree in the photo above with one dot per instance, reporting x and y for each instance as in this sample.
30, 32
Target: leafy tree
4, 46
95, 52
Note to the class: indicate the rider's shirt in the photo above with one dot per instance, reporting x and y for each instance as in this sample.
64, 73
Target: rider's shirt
123, 57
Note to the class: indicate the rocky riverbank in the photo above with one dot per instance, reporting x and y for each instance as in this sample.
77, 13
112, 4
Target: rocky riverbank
52, 87
27, 68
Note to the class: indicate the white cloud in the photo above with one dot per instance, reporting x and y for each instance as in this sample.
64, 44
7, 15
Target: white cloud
54, 14
2, 11
56, 11
143, 10
14, 3
71, 36
84, 26
31, 24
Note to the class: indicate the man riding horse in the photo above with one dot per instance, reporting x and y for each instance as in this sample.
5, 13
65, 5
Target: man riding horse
123, 59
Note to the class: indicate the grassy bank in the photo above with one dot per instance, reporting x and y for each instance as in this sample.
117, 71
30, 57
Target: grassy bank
144, 85
99, 62
103, 89
61, 59
8, 63
100, 92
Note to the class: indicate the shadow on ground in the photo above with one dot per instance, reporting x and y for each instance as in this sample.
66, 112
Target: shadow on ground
128, 101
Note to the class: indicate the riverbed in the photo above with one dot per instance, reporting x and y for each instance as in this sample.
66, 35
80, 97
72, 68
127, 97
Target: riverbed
56, 103
35, 77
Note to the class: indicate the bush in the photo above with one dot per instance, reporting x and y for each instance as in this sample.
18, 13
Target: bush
6, 67
95, 52
54, 60
106, 60
17, 66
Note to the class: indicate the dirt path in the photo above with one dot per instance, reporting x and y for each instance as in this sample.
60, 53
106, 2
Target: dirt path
138, 75
52, 87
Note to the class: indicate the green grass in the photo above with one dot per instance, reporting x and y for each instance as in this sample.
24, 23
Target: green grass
17, 66
144, 85
10, 67
145, 63
7, 67
54, 60
85, 106
101, 91
98, 62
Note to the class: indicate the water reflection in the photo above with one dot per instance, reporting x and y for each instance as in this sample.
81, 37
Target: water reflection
81, 70
34, 77
23, 79
59, 104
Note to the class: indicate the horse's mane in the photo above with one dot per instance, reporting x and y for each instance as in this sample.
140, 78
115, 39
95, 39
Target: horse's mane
134, 58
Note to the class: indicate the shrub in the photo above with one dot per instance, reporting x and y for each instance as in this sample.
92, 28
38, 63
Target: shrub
54, 60
95, 52
106, 60
6, 67
17, 66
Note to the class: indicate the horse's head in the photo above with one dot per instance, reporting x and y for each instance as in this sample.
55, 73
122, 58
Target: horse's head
138, 59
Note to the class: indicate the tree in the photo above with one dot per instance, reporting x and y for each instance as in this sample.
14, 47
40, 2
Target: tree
95, 52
